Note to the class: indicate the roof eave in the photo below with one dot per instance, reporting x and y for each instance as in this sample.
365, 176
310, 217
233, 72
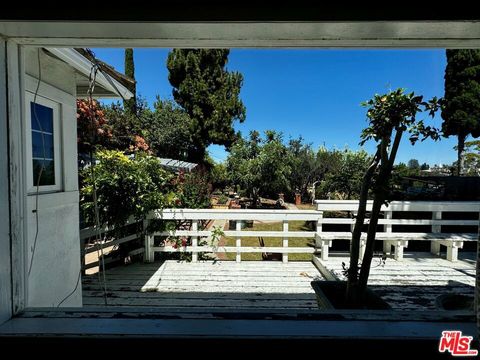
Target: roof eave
83, 66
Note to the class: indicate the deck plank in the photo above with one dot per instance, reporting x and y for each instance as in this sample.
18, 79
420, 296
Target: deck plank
221, 284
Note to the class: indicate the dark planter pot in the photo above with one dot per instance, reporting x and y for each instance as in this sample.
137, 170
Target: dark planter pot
331, 295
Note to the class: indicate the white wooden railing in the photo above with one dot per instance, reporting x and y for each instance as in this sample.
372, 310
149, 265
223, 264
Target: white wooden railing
399, 239
104, 242
326, 209
196, 215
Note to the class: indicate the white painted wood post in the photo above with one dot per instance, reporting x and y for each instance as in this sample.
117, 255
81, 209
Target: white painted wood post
238, 241
387, 246
285, 241
452, 252
194, 241
435, 245
148, 255
321, 243
399, 251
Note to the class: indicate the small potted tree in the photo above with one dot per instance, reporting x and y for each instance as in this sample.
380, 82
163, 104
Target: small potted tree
390, 116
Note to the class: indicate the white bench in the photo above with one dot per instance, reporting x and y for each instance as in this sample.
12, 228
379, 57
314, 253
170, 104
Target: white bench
399, 240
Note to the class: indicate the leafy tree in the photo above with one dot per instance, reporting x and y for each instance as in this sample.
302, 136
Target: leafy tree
471, 164
259, 166
413, 164
424, 166
193, 191
219, 175
390, 116
127, 128
304, 165
130, 105
461, 104
346, 178
92, 126
118, 179
167, 131
209, 93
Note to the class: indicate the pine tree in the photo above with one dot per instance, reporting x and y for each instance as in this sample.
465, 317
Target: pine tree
209, 93
131, 104
461, 104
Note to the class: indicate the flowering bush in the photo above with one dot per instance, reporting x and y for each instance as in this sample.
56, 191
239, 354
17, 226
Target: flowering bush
125, 187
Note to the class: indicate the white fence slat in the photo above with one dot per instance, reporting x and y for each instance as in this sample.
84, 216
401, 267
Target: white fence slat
204, 233
435, 246
285, 241
110, 243
238, 241
245, 249
194, 240
352, 205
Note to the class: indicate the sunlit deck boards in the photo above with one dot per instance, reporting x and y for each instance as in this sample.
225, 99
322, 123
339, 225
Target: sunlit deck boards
415, 282
224, 284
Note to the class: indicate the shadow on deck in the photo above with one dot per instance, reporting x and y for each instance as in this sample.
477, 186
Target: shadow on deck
220, 285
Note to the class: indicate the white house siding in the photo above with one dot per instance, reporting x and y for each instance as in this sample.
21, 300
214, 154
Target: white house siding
5, 264
56, 256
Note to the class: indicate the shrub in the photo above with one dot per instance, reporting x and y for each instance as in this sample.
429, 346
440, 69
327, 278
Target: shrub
125, 187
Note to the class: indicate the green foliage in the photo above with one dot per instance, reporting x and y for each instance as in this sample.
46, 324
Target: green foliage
414, 164
126, 187
167, 131
346, 179
389, 117
260, 166
461, 104
424, 166
209, 93
398, 111
304, 165
93, 128
222, 199
127, 128
131, 104
472, 158
193, 191
219, 176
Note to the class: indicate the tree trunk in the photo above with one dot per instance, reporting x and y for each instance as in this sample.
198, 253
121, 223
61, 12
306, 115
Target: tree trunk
352, 291
460, 151
370, 244
381, 191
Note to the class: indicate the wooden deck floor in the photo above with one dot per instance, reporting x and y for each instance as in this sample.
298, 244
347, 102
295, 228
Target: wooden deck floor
223, 284
415, 282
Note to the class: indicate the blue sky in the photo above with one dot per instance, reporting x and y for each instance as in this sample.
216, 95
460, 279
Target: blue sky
312, 93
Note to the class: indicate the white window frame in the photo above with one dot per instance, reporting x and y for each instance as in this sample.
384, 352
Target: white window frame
57, 142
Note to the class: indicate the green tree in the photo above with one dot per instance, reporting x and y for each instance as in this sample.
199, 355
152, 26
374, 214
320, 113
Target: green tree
258, 166
209, 93
461, 104
304, 165
127, 129
117, 180
346, 178
130, 105
390, 116
471, 166
167, 131
413, 164
424, 166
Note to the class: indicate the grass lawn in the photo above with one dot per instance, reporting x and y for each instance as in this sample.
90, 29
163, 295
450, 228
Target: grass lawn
277, 226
